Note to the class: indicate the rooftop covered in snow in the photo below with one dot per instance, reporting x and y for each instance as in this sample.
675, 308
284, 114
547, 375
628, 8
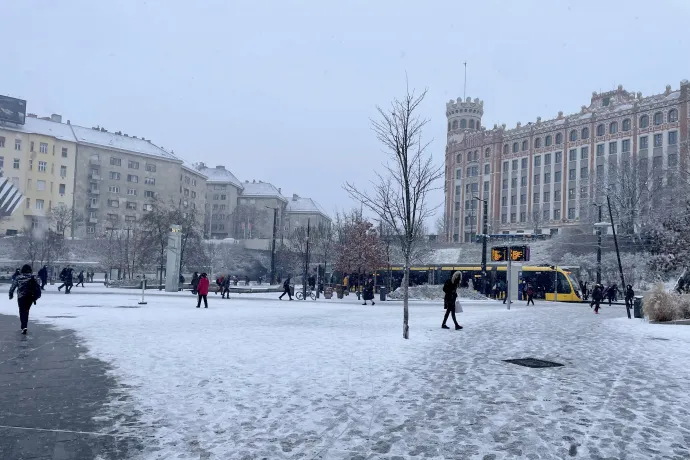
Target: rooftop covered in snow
44, 127
262, 190
106, 139
219, 175
299, 205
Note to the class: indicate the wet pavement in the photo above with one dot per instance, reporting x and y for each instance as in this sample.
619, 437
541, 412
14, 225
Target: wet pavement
52, 396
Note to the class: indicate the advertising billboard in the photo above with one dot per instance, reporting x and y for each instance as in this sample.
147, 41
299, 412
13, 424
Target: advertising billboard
12, 110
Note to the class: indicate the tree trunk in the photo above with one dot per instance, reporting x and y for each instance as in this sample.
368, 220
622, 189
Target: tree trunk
406, 313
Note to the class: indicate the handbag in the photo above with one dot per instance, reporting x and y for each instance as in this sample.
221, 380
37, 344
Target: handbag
458, 307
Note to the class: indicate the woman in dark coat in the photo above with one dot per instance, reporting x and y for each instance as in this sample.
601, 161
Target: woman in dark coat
368, 293
450, 289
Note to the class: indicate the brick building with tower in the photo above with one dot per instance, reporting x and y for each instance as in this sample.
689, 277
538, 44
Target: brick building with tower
543, 177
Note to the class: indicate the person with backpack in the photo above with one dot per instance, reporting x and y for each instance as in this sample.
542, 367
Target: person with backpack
225, 287
629, 296
28, 292
67, 279
286, 289
597, 297
202, 290
368, 292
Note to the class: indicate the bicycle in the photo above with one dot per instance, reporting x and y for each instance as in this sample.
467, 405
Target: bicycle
300, 295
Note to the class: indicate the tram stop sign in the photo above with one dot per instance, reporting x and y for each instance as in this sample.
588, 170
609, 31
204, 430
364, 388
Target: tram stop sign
515, 253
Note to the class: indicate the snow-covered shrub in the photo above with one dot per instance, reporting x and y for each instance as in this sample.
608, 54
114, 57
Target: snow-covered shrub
660, 305
684, 306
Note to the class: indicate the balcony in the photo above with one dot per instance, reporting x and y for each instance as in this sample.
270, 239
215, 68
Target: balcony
93, 220
95, 176
94, 161
93, 206
94, 191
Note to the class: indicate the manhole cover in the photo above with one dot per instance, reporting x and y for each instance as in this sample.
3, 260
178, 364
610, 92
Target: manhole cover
88, 306
533, 362
127, 306
61, 316
658, 338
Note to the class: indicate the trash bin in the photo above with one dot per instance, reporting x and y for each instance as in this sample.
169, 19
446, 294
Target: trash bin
637, 307
328, 292
292, 290
339, 291
382, 293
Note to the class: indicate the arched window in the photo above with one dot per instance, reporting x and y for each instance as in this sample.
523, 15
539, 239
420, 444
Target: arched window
672, 115
471, 124
463, 124
449, 126
547, 141
613, 127
515, 147
505, 149
478, 125
455, 124
537, 143
458, 159
585, 133
573, 135
559, 139
476, 155
626, 124
525, 144
644, 121
487, 153
600, 130
658, 118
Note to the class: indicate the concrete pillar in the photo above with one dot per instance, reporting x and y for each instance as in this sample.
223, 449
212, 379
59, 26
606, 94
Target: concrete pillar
172, 272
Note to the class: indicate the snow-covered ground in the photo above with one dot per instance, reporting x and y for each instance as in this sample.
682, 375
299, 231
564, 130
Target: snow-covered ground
254, 377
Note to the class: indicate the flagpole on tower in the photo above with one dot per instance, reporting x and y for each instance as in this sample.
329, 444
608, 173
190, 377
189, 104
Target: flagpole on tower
464, 86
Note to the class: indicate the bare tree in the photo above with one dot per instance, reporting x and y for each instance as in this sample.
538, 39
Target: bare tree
441, 227
399, 195
42, 246
64, 217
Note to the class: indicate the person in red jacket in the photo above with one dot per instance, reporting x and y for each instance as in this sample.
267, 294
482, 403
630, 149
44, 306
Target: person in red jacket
202, 290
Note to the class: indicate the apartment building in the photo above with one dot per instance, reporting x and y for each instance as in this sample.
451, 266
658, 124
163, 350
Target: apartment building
38, 157
545, 175
222, 190
301, 212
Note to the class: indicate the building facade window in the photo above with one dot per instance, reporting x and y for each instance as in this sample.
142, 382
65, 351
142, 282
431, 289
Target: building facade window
150, 180
505, 149
17, 144
537, 143
536, 179
626, 124
625, 145
150, 194
559, 157
547, 197
43, 148
584, 172
523, 163
547, 159
572, 155
63, 171
613, 148
658, 118
114, 175
114, 189
132, 192
644, 121
537, 160
600, 130
547, 178
115, 161
15, 163
132, 178
585, 133
61, 189
557, 176
548, 141
131, 164
644, 142
672, 137
658, 140
515, 147
559, 139
613, 127
525, 145
573, 135
42, 166
584, 153
458, 158
64, 152
672, 115
487, 169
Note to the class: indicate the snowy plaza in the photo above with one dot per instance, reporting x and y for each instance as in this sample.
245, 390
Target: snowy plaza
257, 378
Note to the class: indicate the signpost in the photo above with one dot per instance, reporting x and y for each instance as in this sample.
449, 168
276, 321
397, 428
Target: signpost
510, 254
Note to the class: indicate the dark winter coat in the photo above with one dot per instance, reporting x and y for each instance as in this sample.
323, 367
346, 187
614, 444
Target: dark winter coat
368, 292
16, 274
43, 274
68, 277
202, 287
195, 280
80, 277
22, 285
450, 290
286, 284
629, 293
598, 293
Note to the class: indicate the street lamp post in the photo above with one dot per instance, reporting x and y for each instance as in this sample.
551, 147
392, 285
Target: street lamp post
273, 245
485, 236
618, 254
599, 243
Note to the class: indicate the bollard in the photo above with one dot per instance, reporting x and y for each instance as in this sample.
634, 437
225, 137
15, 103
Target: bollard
143, 290
382, 294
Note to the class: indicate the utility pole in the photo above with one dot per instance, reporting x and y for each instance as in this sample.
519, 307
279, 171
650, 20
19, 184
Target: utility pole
485, 237
306, 262
618, 254
273, 247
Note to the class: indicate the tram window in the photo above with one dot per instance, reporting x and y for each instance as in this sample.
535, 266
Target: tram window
563, 284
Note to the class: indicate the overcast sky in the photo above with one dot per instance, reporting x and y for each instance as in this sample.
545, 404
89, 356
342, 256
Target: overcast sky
282, 91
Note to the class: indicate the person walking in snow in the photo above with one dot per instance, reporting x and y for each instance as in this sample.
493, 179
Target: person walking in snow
225, 287
43, 276
28, 292
80, 279
450, 290
530, 293
286, 289
195, 282
368, 292
629, 296
202, 290
17, 272
597, 297
67, 278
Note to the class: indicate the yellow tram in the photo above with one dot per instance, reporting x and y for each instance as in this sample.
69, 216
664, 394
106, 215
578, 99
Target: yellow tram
546, 281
